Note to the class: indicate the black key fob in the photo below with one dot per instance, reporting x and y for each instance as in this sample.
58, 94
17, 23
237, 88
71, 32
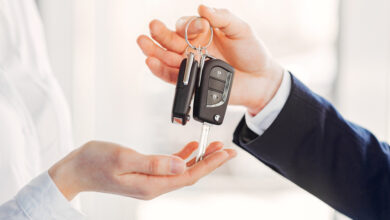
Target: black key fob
212, 95
185, 88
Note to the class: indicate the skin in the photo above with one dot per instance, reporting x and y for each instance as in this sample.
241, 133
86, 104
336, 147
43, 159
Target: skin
107, 167
111, 168
258, 76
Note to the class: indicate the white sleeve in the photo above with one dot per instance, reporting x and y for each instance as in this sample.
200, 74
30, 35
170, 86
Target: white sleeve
261, 122
40, 199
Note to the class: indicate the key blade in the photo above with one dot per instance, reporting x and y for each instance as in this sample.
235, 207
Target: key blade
203, 141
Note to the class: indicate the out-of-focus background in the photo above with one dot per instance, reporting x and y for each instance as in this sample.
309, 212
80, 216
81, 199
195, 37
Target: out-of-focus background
339, 48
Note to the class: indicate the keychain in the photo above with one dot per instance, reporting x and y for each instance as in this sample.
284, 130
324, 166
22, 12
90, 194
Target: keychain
210, 81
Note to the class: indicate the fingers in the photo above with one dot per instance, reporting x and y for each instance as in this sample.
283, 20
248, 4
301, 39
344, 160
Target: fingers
198, 31
206, 166
151, 186
187, 150
225, 21
213, 147
159, 165
210, 163
151, 49
196, 27
167, 38
162, 71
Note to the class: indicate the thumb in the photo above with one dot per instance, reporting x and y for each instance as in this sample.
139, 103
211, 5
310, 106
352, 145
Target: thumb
196, 27
224, 20
161, 165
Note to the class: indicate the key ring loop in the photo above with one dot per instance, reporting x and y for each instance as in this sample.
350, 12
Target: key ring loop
188, 42
198, 50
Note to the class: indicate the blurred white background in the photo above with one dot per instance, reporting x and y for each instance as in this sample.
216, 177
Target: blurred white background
340, 48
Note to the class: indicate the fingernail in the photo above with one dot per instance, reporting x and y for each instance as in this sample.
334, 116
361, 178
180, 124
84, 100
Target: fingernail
150, 61
211, 10
232, 153
140, 40
180, 22
177, 166
198, 24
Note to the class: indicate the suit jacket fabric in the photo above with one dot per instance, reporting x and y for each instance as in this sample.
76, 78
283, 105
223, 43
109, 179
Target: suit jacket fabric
312, 145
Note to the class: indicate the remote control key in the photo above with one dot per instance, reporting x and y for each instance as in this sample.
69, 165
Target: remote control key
213, 97
219, 73
216, 85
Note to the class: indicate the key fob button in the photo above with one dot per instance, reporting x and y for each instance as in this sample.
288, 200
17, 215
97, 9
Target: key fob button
219, 73
213, 97
216, 85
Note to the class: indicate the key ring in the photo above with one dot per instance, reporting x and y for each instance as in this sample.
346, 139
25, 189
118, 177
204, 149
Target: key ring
188, 42
197, 49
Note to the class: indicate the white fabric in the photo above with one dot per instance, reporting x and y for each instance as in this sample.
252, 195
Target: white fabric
40, 199
261, 122
35, 129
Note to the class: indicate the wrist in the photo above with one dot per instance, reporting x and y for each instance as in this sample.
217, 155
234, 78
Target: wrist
64, 176
268, 85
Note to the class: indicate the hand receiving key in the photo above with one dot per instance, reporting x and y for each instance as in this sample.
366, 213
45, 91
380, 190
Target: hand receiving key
257, 75
110, 168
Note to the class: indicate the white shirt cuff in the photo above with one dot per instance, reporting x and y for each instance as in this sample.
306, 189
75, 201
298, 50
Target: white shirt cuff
41, 199
261, 122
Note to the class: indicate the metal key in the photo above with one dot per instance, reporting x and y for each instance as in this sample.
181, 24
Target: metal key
203, 141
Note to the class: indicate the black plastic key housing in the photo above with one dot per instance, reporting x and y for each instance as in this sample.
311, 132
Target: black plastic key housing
184, 93
212, 96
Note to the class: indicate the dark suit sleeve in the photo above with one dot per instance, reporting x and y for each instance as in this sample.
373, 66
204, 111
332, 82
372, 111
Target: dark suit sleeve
312, 145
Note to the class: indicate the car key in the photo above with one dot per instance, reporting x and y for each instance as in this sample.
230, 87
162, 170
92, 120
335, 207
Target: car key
212, 94
184, 89
211, 82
